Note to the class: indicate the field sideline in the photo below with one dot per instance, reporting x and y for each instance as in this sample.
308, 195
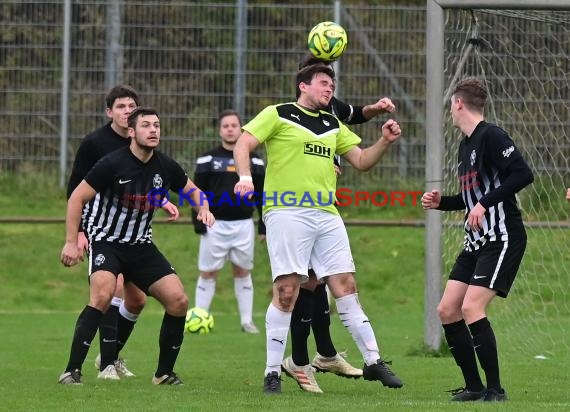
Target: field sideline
39, 301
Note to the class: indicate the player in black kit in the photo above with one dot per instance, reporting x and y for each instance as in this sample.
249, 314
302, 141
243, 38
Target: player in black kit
126, 187
128, 300
491, 171
233, 236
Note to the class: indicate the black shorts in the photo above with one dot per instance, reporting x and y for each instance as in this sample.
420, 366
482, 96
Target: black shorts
141, 264
494, 265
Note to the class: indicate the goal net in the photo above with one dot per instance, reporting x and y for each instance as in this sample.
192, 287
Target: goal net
524, 56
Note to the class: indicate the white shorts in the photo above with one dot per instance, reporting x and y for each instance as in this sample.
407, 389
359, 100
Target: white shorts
231, 240
299, 237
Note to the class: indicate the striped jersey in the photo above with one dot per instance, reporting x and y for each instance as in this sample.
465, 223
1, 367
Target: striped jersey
482, 164
128, 192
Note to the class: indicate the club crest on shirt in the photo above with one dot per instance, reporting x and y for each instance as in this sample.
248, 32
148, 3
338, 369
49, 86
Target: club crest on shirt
231, 166
157, 181
99, 259
473, 157
508, 151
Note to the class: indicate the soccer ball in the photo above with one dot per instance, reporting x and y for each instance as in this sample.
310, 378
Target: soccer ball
327, 41
198, 321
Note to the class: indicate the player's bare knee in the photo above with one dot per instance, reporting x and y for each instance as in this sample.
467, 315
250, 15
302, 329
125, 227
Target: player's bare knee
349, 286
286, 297
240, 272
182, 302
471, 311
286, 303
135, 305
134, 299
209, 275
177, 304
101, 299
342, 285
447, 314
441, 312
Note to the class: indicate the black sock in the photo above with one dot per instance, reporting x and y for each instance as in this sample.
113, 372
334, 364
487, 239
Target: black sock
108, 337
461, 347
301, 327
124, 328
170, 341
486, 348
85, 330
321, 322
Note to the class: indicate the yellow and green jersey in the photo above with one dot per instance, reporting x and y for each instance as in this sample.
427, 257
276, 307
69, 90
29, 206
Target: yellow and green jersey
300, 146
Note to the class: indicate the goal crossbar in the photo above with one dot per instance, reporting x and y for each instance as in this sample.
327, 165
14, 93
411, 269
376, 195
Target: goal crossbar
504, 4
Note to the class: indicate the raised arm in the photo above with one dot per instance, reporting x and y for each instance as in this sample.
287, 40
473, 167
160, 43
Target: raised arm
384, 105
364, 159
352, 114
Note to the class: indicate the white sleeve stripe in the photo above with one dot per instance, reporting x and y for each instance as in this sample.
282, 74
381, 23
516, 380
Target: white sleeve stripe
257, 161
351, 113
204, 159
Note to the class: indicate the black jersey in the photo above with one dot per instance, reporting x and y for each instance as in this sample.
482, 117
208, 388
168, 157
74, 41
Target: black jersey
127, 193
216, 176
346, 113
93, 147
485, 162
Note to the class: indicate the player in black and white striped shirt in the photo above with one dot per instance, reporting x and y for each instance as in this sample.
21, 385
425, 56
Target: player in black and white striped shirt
128, 301
491, 171
127, 186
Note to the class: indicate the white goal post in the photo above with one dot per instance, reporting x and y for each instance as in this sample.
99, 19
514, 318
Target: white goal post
435, 133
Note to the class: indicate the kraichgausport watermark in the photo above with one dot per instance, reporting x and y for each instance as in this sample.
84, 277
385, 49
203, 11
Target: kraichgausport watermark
343, 196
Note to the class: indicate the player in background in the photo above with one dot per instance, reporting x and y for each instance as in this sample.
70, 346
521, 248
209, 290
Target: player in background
491, 171
127, 186
233, 236
568, 194
311, 309
301, 140
118, 322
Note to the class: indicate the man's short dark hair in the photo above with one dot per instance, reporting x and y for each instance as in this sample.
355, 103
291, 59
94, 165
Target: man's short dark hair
473, 92
140, 111
306, 74
119, 92
226, 113
309, 59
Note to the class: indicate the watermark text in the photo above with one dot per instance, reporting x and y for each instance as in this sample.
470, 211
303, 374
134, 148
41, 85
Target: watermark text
343, 196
